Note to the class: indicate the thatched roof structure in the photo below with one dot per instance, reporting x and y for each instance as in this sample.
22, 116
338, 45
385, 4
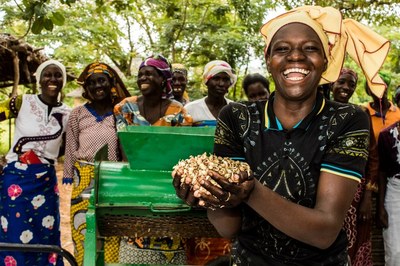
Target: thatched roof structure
18, 62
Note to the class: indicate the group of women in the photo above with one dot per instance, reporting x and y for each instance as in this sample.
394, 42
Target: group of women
288, 211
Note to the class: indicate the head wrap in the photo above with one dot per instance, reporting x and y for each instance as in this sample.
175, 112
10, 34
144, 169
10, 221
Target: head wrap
217, 66
350, 72
47, 63
367, 48
163, 66
180, 68
118, 91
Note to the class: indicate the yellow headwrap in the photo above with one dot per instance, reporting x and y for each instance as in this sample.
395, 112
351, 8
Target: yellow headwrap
367, 48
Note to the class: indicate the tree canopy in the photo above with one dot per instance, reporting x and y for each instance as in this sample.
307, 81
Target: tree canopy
192, 32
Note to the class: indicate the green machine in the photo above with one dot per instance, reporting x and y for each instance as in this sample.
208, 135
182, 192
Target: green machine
136, 198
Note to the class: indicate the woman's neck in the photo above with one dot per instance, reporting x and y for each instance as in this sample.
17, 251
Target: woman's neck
52, 101
101, 107
291, 113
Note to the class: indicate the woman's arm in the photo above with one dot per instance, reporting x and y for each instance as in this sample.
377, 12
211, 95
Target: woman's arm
10, 107
226, 221
71, 146
318, 226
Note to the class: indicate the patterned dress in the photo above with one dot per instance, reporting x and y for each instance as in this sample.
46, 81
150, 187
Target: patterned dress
332, 138
151, 250
87, 132
29, 198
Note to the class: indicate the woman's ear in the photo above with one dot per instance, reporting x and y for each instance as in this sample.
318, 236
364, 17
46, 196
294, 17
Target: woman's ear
268, 64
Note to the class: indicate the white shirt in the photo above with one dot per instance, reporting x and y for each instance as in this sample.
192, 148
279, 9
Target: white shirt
33, 121
199, 111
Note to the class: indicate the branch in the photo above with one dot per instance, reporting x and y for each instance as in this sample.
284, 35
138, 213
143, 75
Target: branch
188, 50
179, 31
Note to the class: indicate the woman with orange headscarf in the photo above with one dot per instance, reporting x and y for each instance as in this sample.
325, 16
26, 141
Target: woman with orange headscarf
90, 127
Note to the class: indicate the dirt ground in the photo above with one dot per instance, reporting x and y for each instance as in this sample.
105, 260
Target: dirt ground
65, 198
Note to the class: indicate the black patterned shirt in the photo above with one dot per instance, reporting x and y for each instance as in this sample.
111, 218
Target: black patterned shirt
333, 138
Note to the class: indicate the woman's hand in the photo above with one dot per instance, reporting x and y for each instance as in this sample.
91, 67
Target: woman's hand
365, 209
184, 190
382, 217
229, 195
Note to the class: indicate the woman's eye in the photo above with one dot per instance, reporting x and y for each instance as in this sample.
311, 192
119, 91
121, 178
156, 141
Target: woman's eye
281, 49
311, 48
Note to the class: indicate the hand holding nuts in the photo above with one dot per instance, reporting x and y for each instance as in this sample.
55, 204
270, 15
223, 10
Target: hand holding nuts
196, 168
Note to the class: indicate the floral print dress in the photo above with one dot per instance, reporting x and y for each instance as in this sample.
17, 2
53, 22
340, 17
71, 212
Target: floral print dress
29, 198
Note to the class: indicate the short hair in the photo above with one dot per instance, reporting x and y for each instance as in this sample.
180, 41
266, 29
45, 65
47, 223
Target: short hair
254, 78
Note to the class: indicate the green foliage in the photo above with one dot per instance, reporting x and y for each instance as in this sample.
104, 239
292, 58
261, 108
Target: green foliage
192, 32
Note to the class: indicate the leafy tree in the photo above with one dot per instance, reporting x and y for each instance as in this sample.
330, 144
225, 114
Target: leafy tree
192, 32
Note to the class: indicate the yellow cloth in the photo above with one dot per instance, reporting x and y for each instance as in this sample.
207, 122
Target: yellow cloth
367, 48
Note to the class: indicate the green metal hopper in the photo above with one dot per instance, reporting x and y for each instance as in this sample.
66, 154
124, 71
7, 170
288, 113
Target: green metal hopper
136, 198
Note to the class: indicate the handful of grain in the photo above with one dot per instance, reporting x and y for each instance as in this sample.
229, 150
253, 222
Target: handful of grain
196, 168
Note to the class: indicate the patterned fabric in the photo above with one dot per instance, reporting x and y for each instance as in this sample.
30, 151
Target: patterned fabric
83, 183
127, 113
84, 125
350, 72
29, 213
180, 68
151, 250
118, 92
358, 232
111, 249
202, 250
337, 142
217, 66
389, 166
164, 67
338, 36
389, 150
34, 120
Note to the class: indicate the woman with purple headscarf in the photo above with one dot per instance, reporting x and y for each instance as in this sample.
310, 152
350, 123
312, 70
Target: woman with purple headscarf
155, 106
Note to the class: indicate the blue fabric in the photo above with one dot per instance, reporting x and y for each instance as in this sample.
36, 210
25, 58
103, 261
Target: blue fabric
29, 212
205, 123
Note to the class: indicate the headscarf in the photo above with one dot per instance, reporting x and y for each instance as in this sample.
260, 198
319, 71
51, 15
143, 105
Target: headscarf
164, 67
217, 66
118, 91
350, 72
367, 48
180, 68
47, 63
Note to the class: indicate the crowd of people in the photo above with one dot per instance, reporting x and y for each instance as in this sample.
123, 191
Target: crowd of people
315, 162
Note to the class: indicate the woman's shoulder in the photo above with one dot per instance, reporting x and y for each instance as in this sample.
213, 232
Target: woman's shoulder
347, 115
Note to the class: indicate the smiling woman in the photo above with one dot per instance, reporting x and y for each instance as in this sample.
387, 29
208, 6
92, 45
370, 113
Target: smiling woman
29, 194
290, 209
90, 127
